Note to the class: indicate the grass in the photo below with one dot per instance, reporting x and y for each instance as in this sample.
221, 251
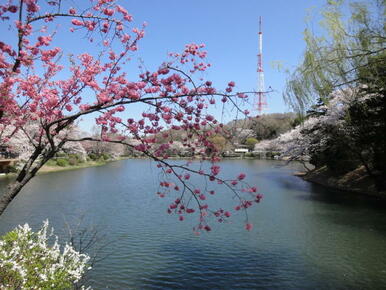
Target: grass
53, 166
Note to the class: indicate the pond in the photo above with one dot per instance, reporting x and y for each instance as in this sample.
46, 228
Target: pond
304, 236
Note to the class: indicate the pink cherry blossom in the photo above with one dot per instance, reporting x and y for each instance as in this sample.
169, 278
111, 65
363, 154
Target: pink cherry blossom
248, 226
241, 176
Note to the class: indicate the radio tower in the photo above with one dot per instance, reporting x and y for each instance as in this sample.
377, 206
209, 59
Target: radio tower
262, 102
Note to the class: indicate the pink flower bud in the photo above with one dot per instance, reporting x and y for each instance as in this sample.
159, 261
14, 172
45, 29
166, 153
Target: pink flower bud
241, 176
207, 228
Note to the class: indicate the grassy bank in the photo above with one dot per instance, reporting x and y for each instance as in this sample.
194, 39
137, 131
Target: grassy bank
52, 166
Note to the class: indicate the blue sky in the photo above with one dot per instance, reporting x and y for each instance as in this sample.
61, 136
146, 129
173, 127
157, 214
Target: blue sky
229, 30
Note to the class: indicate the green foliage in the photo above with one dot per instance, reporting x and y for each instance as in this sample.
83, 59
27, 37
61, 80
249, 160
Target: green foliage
264, 127
93, 156
272, 125
105, 156
99, 157
249, 155
219, 142
333, 60
62, 162
251, 142
60, 159
51, 162
65, 160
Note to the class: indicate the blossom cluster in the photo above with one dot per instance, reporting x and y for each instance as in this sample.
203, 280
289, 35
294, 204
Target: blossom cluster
28, 261
193, 193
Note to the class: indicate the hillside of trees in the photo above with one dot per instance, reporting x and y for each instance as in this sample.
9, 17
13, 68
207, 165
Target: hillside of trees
266, 126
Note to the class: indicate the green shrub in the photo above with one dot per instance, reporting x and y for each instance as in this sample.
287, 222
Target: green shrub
62, 162
93, 156
75, 156
51, 162
105, 156
73, 161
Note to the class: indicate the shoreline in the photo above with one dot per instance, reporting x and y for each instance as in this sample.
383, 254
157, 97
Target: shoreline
48, 169
87, 164
356, 182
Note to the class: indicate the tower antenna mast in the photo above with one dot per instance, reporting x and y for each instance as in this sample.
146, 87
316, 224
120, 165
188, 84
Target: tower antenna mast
262, 102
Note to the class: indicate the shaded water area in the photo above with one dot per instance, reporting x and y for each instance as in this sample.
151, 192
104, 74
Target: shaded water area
305, 236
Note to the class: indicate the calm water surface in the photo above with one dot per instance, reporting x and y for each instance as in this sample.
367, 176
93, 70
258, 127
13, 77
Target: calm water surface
304, 236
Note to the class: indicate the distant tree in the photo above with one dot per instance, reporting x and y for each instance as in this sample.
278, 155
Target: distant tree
268, 126
251, 142
101, 147
39, 84
219, 142
271, 126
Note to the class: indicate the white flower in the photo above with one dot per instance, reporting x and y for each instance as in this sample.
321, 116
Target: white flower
19, 257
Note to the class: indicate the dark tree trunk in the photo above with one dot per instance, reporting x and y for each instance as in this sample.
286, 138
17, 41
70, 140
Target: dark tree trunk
29, 170
12, 192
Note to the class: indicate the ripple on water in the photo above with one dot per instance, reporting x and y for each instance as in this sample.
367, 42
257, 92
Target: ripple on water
304, 236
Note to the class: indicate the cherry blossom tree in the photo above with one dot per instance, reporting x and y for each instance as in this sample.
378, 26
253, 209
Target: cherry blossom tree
43, 86
316, 132
20, 141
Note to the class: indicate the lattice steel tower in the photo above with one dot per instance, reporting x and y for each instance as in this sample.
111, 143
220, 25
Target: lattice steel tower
261, 102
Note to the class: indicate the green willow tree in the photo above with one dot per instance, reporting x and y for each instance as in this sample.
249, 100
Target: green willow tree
333, 60
348, 61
